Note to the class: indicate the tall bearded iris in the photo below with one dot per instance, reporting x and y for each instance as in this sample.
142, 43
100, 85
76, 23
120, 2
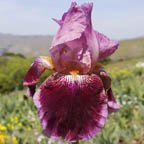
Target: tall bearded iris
74, 102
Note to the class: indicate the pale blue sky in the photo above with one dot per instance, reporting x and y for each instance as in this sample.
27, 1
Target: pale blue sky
117, 19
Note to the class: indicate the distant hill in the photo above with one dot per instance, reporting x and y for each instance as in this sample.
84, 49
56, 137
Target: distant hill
26, 45
132, 48
39, 45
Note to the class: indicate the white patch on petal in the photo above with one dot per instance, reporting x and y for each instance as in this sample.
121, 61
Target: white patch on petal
73, 78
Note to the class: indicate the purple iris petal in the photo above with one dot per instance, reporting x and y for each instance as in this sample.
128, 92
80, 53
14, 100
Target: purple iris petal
75, 43
107, 46
72, 107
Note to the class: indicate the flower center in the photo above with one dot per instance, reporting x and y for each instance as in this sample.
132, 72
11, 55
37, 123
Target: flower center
74, 72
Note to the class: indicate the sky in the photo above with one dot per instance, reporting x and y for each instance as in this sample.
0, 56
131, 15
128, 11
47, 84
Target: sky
118, 19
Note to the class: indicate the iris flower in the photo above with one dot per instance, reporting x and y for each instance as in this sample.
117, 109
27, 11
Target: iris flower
74, 102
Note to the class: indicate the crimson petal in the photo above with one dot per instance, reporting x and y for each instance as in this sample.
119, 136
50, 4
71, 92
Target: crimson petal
72, 107
113, 106
39, 65
31, 90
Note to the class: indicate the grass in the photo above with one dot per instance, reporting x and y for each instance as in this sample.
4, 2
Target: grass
19, 123
124, 64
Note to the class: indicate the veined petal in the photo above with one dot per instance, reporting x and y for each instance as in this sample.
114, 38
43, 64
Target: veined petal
72, 106
107, 46
75, 45
39, 65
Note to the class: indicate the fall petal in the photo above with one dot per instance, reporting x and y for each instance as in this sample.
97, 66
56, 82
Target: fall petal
106, 79
107, 46
113, 106
31, 90
72, 107
39, 65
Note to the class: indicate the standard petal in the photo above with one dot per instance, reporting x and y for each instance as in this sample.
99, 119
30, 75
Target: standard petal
72, 107
75, 45
39, 65
113, 106
107, 46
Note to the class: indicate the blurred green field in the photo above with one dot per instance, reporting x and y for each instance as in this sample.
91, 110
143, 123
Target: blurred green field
19, 123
